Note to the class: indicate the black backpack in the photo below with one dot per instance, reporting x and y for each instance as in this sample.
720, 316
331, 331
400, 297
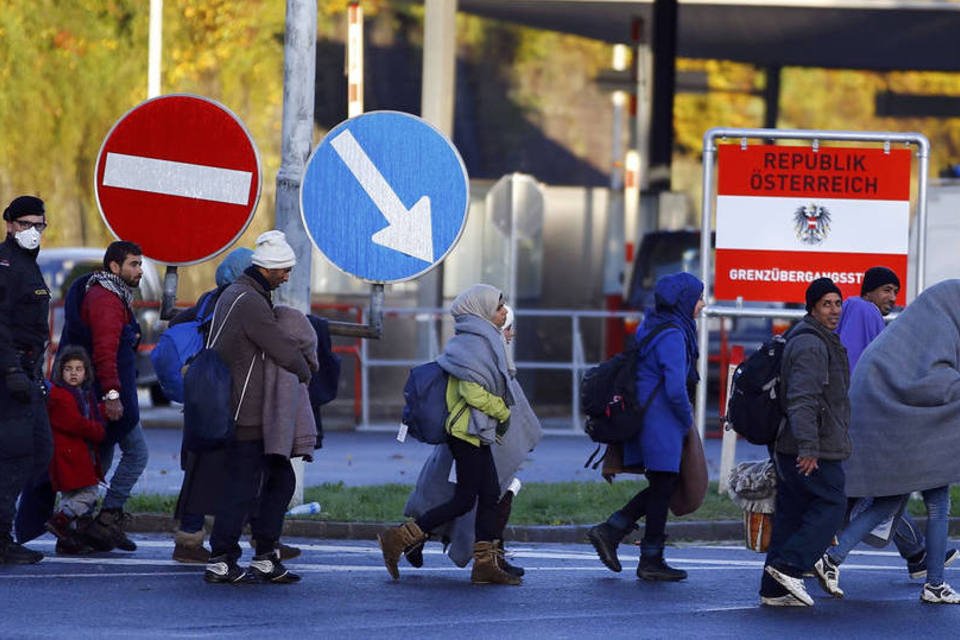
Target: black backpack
754, 409
608, 395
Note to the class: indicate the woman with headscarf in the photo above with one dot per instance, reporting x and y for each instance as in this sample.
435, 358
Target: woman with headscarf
666, 378
434, 486
478, 399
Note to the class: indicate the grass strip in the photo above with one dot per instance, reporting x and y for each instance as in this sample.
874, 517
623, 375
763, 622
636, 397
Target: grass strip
539, 503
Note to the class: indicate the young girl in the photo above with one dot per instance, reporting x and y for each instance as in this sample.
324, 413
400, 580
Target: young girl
76, 419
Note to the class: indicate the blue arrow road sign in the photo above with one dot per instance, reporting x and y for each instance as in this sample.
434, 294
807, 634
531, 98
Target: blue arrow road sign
385, 196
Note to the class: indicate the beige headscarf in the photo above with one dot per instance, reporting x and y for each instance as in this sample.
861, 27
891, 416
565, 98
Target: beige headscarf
480, 300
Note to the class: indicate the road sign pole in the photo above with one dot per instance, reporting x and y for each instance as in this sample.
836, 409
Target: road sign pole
299, 63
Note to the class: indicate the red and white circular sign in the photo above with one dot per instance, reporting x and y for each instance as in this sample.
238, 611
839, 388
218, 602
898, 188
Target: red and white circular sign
180, 176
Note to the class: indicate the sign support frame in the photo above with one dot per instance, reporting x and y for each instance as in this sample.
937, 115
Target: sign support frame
708, 208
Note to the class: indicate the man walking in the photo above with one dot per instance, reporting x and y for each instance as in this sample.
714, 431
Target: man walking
260, 485
809, 449
25, 441
99, 316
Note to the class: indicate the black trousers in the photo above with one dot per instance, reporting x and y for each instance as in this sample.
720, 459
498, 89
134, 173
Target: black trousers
476, 484
258, 487
26, 446
652, 504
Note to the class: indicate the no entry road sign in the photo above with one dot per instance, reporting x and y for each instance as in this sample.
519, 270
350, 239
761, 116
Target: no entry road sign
385, 196
180, 176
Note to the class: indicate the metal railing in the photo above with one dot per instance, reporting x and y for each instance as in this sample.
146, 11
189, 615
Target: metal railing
575, 365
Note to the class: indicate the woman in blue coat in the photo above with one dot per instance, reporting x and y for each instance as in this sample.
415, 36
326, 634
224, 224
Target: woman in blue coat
666, 376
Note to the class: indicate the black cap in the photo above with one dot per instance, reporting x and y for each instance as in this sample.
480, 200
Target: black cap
24, 206
819, 288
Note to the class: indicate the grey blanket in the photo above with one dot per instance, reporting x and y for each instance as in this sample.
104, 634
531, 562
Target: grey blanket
476, 354
905, 401
433, 486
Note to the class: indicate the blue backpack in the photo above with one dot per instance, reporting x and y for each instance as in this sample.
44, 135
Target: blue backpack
425, 409
178, 346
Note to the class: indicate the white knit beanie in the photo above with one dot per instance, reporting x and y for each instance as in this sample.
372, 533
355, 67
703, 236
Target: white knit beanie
273, 252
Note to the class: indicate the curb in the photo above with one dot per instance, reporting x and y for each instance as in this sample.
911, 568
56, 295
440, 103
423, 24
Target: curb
713, 531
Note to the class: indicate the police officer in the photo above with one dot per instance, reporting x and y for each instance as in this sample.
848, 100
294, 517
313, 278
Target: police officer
25, 441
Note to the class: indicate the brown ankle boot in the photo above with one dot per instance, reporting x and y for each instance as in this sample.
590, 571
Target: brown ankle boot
395, 540
486, 566
188, 547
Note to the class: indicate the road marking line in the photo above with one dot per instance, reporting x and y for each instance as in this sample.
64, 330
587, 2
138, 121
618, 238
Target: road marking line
171, 178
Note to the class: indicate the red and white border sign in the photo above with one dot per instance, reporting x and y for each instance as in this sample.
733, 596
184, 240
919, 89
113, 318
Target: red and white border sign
787, 215
180, 176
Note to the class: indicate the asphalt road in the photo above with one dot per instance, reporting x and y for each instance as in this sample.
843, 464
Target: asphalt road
346, 593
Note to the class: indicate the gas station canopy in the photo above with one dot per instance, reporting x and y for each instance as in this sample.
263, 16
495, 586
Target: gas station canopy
881, 35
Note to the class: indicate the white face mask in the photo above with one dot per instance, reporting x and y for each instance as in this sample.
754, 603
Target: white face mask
28, 239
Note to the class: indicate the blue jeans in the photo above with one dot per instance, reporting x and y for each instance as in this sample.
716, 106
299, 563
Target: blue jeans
133, 460
908, 537
879, 510
809, 510
937, 502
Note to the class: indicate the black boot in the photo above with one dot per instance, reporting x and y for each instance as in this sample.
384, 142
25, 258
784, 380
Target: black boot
605, 537
14, 553
414, 555
512, 569
652, 567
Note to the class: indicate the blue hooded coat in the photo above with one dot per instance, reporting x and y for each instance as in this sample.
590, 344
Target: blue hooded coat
671, 356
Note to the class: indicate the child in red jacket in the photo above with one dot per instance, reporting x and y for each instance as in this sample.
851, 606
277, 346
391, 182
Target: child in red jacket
76, 419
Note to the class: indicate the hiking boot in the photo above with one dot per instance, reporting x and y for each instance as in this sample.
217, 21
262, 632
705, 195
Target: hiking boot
917, 566
486, 566
414, 555
786, 600
59, 525
15, 553
287, 552
225, 570
793, 585
605, 537
73, 545
91, 535
939, 594
105, 532
395, 540
268, 568
188, 547
828, 575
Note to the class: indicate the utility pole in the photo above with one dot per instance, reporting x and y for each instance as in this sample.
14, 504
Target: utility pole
299, 77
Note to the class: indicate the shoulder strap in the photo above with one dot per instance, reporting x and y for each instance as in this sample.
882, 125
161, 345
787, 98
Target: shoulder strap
212, 339
657, 330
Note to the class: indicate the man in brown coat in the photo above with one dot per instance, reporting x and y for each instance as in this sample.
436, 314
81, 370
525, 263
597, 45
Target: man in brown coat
258, 485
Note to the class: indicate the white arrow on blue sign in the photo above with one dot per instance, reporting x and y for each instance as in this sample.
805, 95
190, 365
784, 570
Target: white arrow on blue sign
385, 196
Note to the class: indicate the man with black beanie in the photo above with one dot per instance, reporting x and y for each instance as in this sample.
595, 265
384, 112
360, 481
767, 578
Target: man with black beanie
809, 450
26, 444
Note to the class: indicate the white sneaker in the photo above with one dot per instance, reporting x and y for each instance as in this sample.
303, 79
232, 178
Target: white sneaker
828, 574
940, 594
781, 601
791, 584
